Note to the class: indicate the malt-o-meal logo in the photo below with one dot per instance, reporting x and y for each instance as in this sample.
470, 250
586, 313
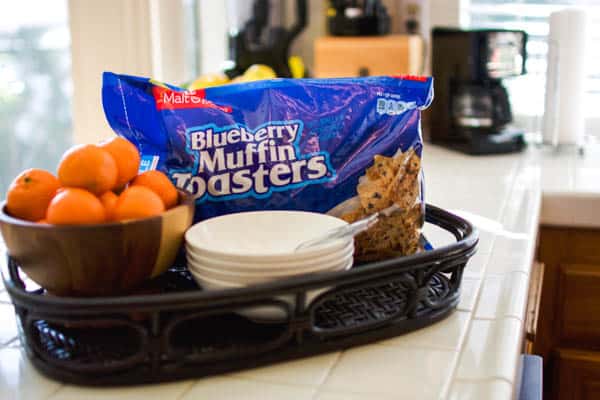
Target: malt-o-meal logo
167, 99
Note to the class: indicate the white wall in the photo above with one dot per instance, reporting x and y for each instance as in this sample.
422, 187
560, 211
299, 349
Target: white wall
137, 37
452, 13
212, 23
168, 41
102, 38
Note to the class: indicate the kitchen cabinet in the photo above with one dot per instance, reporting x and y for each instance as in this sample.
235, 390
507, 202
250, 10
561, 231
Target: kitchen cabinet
567, 335
577, 374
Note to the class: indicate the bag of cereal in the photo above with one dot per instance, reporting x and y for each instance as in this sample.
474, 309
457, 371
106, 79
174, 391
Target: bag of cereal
349, 147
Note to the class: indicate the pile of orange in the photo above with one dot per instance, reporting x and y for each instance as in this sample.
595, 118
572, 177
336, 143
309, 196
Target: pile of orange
94, 184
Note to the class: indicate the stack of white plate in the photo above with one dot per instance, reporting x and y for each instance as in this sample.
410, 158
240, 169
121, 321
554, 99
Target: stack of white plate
242, 249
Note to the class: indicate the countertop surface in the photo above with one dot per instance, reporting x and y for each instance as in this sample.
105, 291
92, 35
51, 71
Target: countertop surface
473, 354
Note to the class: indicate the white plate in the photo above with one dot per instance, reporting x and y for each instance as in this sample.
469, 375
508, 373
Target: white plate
241, 278
215, 283
262, 314
253, 277
263, 235
249, 266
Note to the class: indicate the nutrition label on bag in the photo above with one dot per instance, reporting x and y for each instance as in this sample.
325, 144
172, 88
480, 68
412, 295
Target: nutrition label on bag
394, 107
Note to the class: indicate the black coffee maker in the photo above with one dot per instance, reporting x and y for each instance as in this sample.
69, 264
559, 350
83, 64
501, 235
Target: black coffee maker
471, 110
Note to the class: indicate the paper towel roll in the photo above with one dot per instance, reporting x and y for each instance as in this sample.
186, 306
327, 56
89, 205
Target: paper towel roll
564, 114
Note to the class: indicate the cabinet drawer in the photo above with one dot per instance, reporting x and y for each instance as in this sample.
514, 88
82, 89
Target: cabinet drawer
578, 316
577, 375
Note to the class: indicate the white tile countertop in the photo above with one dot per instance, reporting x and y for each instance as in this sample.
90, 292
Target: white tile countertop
473, 354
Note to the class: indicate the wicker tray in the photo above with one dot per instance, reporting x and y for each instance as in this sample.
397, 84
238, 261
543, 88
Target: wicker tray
178, 331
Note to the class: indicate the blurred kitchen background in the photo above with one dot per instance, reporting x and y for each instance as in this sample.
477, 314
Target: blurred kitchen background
52, 53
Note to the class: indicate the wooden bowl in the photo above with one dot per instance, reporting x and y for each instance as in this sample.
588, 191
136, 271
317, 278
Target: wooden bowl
98, 259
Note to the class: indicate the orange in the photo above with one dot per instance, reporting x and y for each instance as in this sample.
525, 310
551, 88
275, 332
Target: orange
30, 193
88, 167
138, 202
74, 206
159, 184
126, 156
109, 201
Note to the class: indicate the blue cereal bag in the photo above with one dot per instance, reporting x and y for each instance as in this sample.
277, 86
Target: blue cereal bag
349, 147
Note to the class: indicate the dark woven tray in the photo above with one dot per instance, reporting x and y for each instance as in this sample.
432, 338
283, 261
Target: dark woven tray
178, 331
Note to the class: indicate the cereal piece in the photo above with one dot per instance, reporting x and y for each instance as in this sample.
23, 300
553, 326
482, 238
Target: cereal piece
400, 159
409, 163
405, 199
394, 235
415, 215
354, 216
390, 180
374, 196
412, 162
383, 168
406, 186
410, 248
414, 165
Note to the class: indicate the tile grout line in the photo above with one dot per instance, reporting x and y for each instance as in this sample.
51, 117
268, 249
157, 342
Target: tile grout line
418, 345
487, 379
502, 275
448, 384
58, 389
186, 390
452, 378
505, 317
503, 208
480, 289
264, 381
328, 374
268, 381
383, 395
499, 318
525, 277
486, 260
9, 342
502, 217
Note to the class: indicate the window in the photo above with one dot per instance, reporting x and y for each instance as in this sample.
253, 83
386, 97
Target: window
51, 63
527, 92
35, 87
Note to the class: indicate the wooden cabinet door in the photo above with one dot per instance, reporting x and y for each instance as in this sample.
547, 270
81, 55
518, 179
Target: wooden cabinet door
578, 315
576, 375
569, 314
